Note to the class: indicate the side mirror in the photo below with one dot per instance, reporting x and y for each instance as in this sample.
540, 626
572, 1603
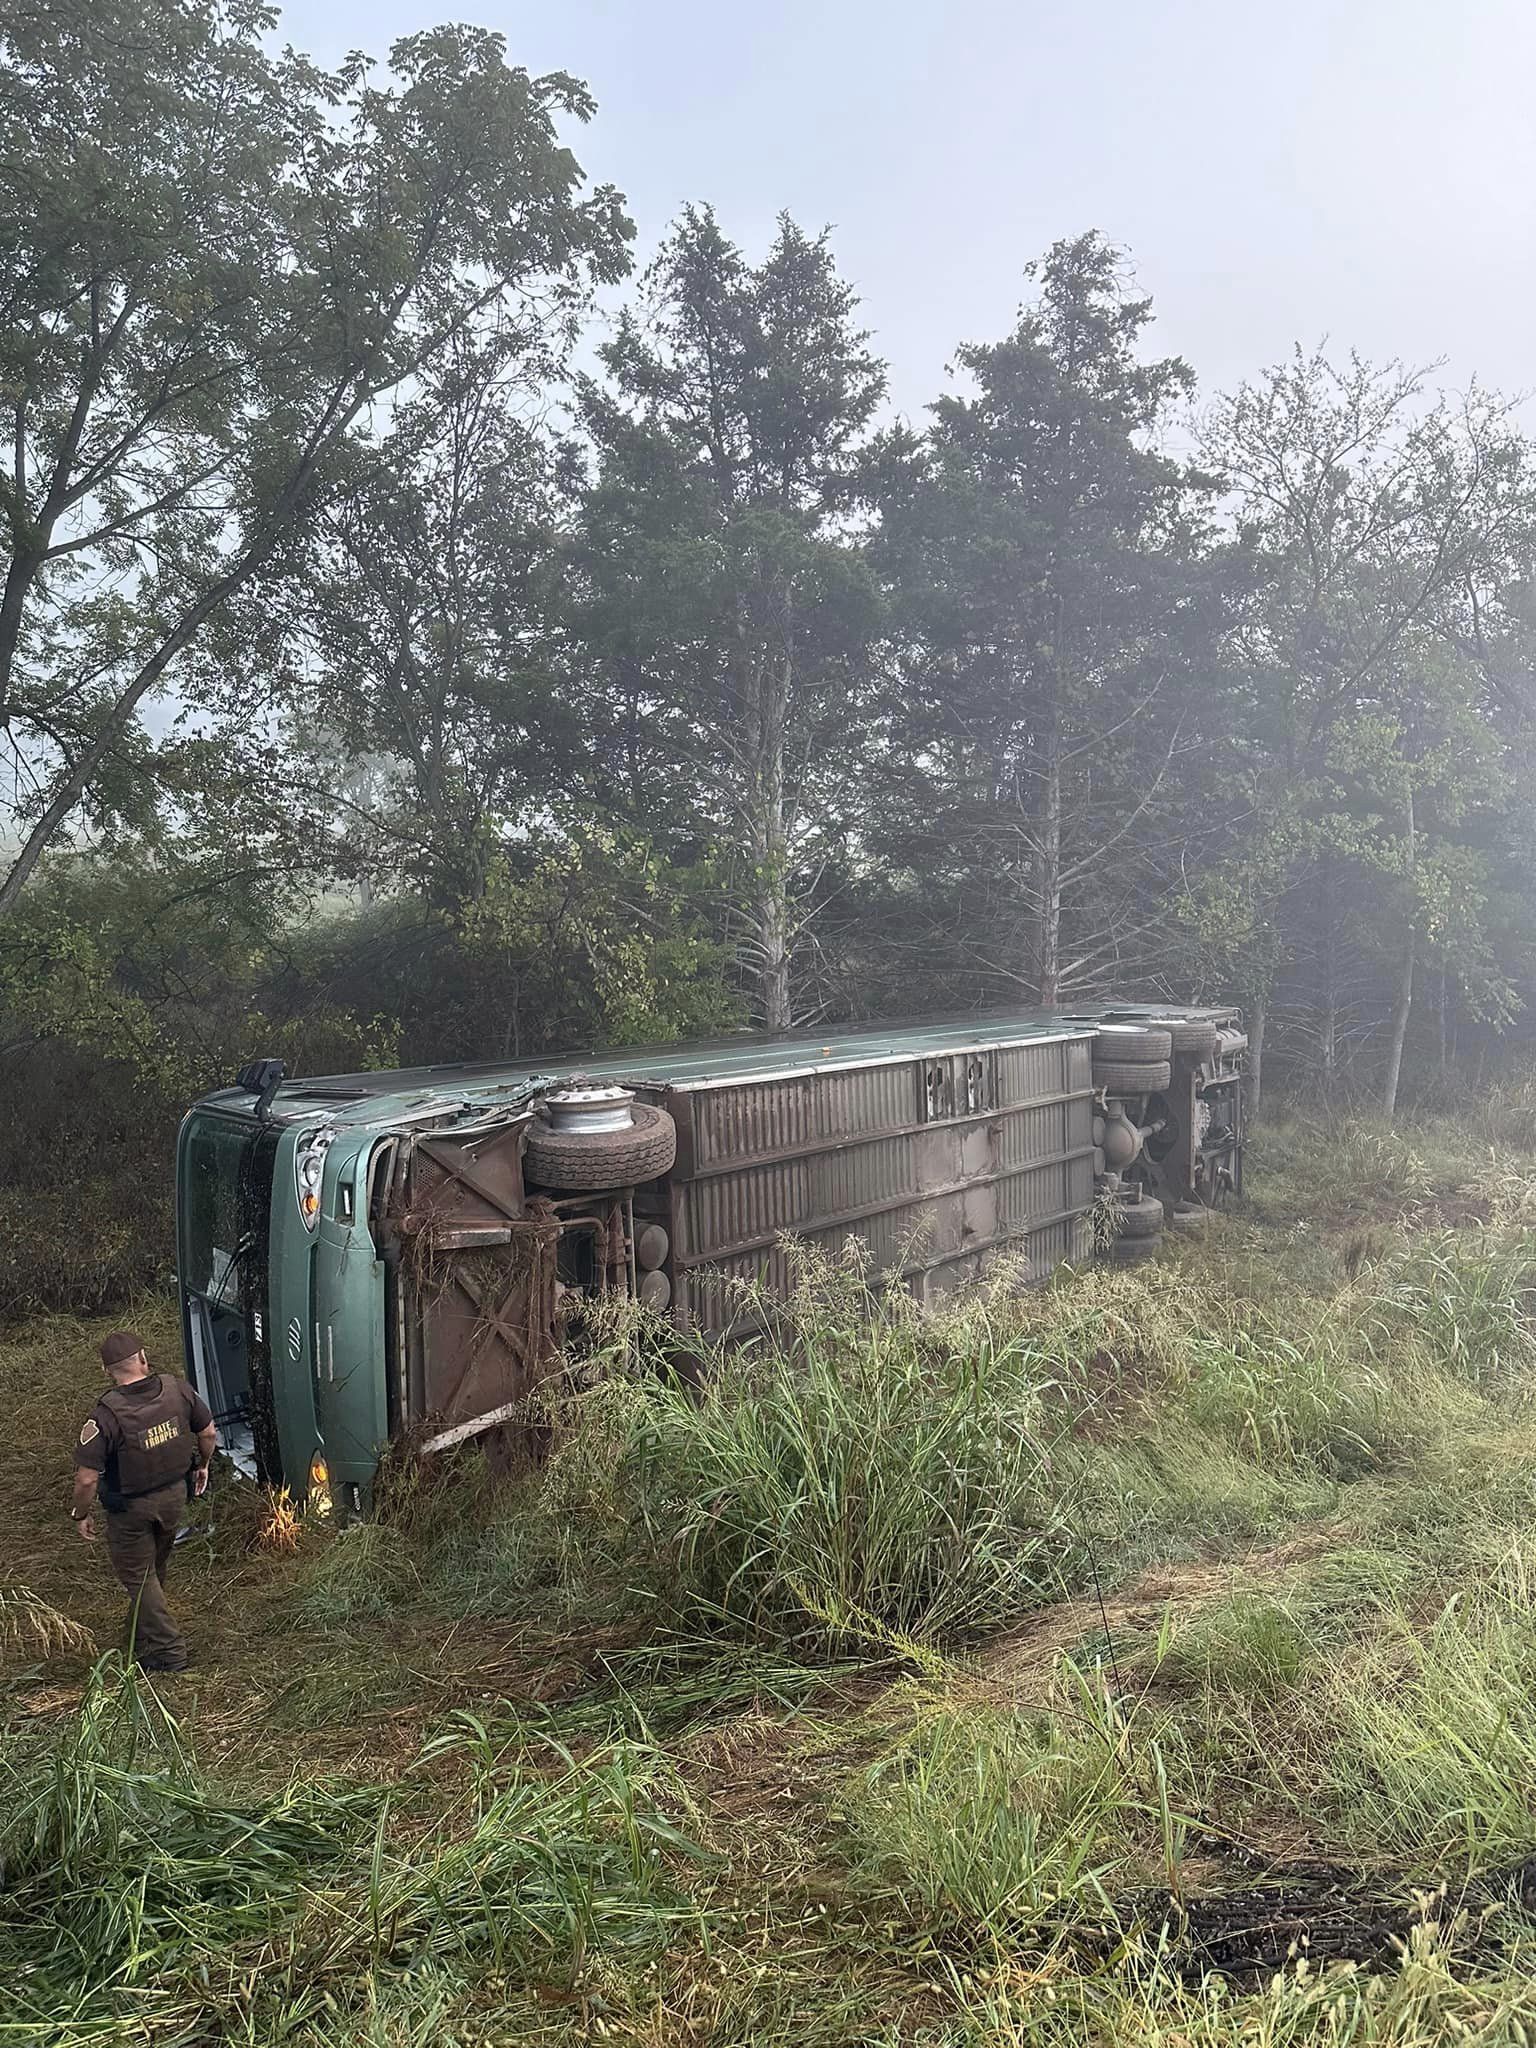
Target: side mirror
262, 1078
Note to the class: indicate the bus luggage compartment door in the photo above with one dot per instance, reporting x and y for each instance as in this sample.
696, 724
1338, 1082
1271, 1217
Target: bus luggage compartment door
477, 1285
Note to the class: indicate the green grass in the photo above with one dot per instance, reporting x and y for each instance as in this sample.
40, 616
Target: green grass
792, 1715
995, 1826
1250, 1643
133, 1878
1434, 1720
1469, 1300
862, 1473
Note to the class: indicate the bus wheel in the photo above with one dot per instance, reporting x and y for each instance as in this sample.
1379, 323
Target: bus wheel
643, 1150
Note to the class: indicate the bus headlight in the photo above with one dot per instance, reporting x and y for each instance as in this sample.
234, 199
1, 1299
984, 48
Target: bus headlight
320, 1502
308, 1172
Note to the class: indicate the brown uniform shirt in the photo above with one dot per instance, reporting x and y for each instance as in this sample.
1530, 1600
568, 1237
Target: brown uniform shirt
142, 1436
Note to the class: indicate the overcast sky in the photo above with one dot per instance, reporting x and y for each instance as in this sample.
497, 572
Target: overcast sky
1364, 170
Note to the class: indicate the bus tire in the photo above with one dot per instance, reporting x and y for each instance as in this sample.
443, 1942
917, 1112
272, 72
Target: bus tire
1133, 1042
1190, 1216
602, 1159
1194, 1039
1139, 1219
1123, 1077
1130, 1251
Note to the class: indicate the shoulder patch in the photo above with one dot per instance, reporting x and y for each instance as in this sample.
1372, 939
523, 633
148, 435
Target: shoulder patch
90, 1432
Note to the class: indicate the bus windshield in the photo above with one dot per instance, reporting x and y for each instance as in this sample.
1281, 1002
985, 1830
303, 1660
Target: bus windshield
223, 1203
210, 1208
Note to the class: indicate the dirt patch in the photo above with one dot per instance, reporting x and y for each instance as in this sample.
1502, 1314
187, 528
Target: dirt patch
1466, 1209
1023, 1660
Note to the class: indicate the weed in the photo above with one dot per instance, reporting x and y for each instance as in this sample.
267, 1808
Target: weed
1505, 1114
1427, 2001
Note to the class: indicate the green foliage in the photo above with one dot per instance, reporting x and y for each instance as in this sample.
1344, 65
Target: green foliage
1350, 1170
599, 942
244, 258
729, 617
1376, 522
1043, 558
1506, 1112
633, 701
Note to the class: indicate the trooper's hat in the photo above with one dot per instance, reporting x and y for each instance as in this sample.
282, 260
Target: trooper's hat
121, 1345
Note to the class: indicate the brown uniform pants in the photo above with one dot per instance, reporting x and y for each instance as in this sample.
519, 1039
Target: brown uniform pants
139, 1539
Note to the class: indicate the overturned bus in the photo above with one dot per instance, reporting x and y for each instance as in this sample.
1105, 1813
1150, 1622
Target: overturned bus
373, 1256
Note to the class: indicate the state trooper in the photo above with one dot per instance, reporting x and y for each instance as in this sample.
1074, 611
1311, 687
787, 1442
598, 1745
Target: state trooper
143, 1454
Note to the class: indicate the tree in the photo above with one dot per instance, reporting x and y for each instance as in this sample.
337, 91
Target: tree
1384, 530
427, 611
1044, 561
217, 262
727, 615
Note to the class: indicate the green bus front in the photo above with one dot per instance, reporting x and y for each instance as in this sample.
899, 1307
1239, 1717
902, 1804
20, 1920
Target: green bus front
283, 1296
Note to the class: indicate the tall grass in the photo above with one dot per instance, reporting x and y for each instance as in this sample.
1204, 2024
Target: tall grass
1504, 1115
1469, 1300
1348, 1169
1250, 1643
1433, 1723
126, 1870
701, 1827
553, 1865
858, 1472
